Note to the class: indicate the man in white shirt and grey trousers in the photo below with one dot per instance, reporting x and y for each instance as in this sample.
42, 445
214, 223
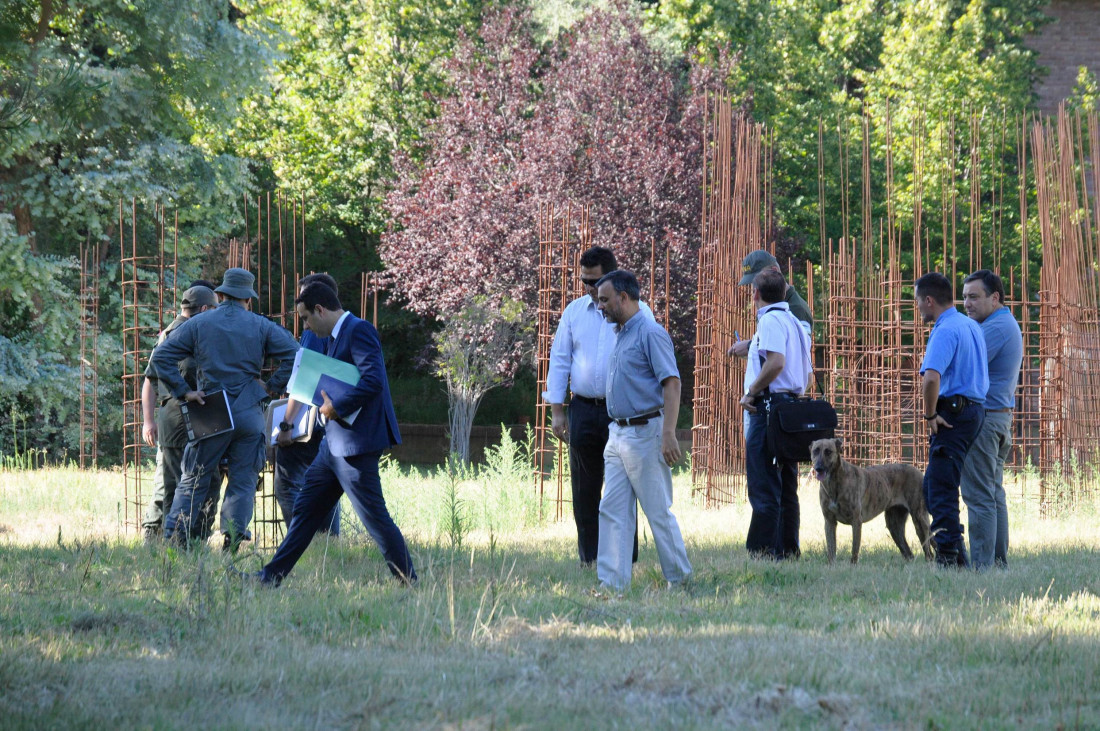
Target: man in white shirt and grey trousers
578, 363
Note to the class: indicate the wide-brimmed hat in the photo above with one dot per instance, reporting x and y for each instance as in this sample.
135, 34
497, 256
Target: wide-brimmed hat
755, 263
237, 283
196, 297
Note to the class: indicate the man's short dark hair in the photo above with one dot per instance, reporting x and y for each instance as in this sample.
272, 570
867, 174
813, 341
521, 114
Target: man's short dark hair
323, 277
315, 293
622, 281
600, 257
771, 285
936, 286
201, 283
990, 282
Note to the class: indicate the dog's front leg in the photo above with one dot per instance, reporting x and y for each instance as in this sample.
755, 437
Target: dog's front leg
857, 529
830, 538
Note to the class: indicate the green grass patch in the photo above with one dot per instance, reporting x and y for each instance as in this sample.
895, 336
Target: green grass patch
99, 631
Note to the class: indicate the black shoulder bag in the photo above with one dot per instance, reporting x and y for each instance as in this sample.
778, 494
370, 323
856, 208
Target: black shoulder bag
794, 425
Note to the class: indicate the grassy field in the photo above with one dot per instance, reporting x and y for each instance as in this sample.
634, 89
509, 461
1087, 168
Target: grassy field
98, 631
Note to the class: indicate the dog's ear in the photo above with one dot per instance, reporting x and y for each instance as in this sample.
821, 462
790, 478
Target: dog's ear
839, 443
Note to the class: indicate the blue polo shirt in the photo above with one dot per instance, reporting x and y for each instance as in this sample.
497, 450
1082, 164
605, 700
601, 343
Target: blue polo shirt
956, 350
642, 358
1004, 344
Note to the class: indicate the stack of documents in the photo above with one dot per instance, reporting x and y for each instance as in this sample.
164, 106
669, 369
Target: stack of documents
315, 372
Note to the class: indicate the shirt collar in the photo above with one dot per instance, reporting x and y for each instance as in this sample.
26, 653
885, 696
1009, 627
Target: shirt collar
780, 305
629, 323
338, 325
945, 314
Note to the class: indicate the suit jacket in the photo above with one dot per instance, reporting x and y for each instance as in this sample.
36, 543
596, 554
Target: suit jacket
375, 428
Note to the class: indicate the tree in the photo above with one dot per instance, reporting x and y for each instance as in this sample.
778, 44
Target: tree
479, 348
596, 117
116, 99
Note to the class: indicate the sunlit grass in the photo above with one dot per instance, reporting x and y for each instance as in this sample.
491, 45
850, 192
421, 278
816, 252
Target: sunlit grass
99, 631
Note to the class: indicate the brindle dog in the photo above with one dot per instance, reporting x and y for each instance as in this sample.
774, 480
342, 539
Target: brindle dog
853, 496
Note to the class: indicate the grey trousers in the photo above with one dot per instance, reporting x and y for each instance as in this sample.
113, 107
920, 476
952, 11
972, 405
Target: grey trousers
983, 491
244, 448
165, 480
635, 472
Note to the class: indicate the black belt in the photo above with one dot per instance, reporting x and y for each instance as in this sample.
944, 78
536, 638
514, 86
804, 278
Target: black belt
998, 411
590, 401
638, 420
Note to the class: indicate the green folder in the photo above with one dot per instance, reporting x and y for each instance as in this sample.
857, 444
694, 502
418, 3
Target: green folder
314, 372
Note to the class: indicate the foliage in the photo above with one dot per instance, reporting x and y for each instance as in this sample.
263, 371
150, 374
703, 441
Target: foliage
597, 117
1086, 91
38, 328
124, 99
355, 83
479, 348
810, 61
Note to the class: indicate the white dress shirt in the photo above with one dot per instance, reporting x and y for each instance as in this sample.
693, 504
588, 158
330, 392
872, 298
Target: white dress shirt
581, 351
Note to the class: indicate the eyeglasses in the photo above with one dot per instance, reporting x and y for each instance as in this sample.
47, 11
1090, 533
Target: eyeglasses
590, 282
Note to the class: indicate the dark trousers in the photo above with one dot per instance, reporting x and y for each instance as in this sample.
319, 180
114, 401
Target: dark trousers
772, 492
165, 480
291, 464
325, 481
588, 424
946, 453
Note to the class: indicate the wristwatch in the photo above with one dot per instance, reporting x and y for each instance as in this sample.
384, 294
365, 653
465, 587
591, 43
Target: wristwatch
285, 426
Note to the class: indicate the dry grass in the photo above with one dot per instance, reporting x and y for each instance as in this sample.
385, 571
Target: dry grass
101, 632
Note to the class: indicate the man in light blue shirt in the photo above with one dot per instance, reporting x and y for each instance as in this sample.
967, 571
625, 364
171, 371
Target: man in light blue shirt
643, 401
982, 483
578, 363
954, 385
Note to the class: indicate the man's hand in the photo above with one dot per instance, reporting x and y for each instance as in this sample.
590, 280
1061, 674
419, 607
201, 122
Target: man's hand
740, 349
283, 439
559, 422
193, 396
670, 446
149, 433
327, 409
934, 425
748, 403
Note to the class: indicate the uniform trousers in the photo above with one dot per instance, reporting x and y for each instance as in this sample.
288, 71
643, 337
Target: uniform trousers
983, 491
635, 472
325, 481
946, 454
588, 422
772, 491
165, 480
291, 464
244, 448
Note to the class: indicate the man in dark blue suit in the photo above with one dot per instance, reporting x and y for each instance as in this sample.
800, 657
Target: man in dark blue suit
347, 460
292, 459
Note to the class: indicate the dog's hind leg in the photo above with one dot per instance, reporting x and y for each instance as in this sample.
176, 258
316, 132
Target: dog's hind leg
924, 532
895, 522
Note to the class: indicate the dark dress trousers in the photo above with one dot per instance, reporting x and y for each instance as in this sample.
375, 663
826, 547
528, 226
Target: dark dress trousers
347, 460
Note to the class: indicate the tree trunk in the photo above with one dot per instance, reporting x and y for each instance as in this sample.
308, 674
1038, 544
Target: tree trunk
461, 410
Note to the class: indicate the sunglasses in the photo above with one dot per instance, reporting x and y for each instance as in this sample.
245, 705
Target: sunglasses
590, 282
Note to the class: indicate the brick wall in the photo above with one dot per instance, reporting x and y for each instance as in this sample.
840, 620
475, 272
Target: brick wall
1072, 40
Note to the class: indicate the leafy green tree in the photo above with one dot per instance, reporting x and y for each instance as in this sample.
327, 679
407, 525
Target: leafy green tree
110, 99
355, 83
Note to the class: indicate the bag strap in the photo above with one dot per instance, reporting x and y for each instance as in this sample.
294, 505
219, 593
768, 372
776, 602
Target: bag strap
802, 347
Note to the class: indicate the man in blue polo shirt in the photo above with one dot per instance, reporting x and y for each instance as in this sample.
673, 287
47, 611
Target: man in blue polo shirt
982, 484
955, 381
643, 400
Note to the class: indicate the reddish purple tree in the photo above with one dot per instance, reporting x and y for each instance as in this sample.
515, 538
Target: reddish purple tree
597, 118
